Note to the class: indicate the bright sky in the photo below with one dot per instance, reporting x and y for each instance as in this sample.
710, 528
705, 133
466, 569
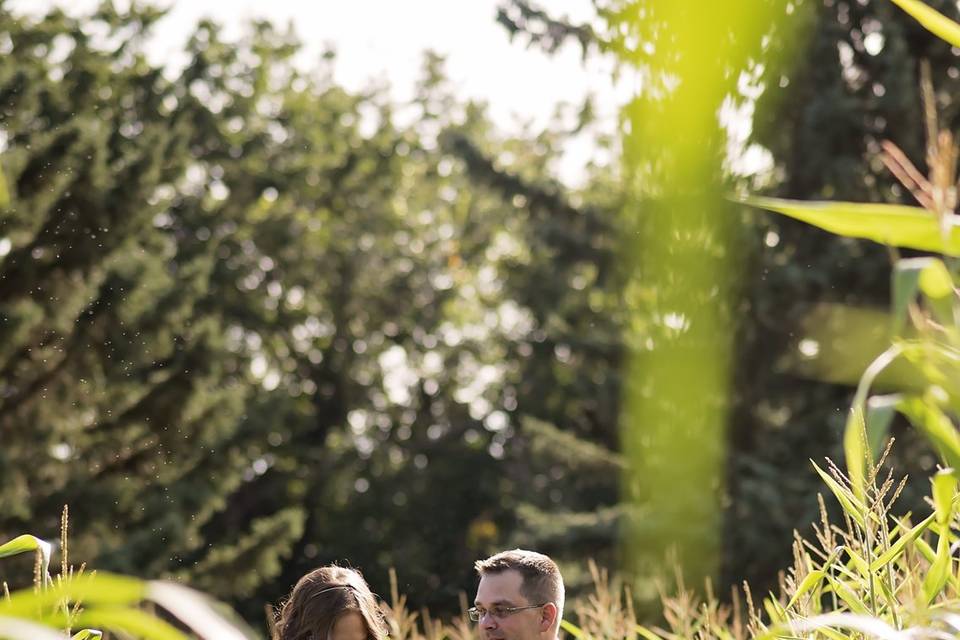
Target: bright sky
379, 40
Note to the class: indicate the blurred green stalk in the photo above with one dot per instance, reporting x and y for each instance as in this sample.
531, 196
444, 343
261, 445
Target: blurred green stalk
685, 260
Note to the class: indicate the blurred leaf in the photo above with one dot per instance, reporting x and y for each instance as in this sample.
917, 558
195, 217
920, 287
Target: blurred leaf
17, 629
934, 21
944, 491
846, 340
91, 589
132, 621
571, 628
196, 610
937, 427
87, 634
892, 224
928, 275
867, 625
935, 280
880, 412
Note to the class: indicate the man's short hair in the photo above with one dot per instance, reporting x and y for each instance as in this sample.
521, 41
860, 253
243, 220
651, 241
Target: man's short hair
542, 582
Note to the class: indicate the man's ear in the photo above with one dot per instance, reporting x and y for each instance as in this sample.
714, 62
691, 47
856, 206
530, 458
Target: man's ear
548, 616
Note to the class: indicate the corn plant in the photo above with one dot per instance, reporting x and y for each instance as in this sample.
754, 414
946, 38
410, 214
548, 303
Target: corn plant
926, 305
99, 603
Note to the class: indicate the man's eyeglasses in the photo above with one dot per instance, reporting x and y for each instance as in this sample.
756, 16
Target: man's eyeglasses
498, 612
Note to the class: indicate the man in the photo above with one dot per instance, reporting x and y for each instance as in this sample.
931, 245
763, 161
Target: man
520, 597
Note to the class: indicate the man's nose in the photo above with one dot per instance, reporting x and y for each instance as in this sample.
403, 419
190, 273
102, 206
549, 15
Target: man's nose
487, 621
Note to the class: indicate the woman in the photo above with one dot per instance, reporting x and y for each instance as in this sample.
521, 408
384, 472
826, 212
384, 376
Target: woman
331, 603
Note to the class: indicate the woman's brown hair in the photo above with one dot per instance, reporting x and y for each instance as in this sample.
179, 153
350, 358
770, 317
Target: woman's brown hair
320, 598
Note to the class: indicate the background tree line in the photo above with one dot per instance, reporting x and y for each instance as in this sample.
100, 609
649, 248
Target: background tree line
251, 323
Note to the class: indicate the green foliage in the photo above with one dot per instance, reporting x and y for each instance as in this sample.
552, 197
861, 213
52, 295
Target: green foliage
101, 601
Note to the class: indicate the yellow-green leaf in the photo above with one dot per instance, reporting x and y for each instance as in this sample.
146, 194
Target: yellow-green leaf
935, 280
856, 450
644, 633
848, 501
944, 489
892, 224
87, 634
90, 589
936, 426
901, 543
130, 621
848, 595
23, 544
572, 629
934, 21
940, 570
811, 580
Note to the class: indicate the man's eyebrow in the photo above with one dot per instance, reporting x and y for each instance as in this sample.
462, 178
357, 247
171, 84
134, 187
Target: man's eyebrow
495, 603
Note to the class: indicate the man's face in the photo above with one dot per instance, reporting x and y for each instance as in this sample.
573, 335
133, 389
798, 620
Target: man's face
503, 590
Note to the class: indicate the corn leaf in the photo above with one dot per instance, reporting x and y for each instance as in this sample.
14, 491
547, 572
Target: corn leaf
900, 545
857, 451
774, 611
17, 629
940, 570
812, 580
880, 412
92, 589
23, 544
913, 275
936, 426
131, 621
934, 21
848, 501
944, 490
892, 224
867, 625
848, 595
644, 633
199, 612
